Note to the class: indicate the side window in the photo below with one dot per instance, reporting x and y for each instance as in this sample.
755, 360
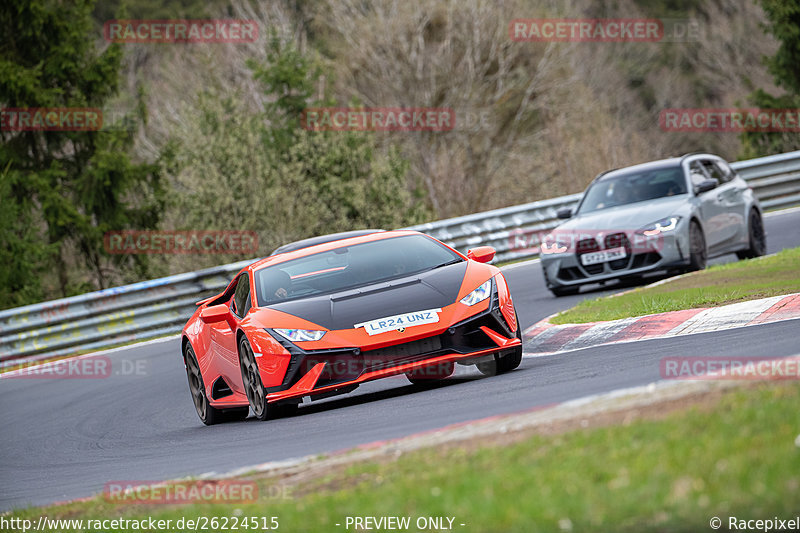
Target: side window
696, 173
714, 172
725, 170
241, 298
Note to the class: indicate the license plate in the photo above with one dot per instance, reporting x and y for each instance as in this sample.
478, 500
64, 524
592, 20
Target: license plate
604, 256
400, 322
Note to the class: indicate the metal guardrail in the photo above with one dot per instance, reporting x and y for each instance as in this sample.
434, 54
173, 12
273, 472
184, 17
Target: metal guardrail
109, 317
153, 308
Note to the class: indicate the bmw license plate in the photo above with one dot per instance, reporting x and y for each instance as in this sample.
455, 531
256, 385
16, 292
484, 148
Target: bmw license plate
592, 258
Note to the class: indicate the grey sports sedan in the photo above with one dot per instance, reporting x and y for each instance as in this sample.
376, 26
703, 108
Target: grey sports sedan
668, 215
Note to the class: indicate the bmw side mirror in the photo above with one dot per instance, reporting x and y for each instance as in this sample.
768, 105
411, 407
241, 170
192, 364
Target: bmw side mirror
214, 313
564, 212
481, 254
705, 186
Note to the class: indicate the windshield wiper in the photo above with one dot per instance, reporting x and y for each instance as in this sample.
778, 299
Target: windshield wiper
448, 263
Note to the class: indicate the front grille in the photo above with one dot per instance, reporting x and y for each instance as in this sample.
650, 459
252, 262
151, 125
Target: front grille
586, 246
409, 349
618, 240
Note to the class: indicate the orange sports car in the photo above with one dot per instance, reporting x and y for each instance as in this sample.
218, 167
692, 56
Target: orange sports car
319, 317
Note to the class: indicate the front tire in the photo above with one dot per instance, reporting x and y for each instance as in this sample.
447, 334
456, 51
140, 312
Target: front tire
758, 238
251, 379
505, 362
208, 414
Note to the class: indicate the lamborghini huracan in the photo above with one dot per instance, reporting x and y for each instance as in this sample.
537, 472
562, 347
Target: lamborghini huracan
319, 317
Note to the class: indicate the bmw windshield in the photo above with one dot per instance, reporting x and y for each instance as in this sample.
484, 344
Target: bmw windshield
632, 187
348, 267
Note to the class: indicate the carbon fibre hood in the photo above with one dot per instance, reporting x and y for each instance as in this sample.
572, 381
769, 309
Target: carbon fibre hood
342, 310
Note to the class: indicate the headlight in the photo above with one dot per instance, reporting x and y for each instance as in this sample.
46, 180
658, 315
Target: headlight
662, 226
547, 249
478, 295
300, 335
551, 246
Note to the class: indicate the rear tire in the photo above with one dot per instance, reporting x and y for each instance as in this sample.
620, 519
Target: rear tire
506, 362
758, 238
698, 252
208, 414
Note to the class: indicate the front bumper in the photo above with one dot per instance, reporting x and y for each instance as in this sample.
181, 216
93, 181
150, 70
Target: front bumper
566, 269
323, 372
308, 386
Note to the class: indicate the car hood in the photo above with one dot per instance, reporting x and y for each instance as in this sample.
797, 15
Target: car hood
428, 290
626, 217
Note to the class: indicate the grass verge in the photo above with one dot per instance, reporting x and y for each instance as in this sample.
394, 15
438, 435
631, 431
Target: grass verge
718, 285
736, 456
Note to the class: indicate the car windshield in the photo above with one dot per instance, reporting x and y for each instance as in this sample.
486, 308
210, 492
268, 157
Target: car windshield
632, 187
349, 267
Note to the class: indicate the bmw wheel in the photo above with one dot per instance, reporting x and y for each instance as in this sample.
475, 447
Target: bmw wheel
698, 253
758, 238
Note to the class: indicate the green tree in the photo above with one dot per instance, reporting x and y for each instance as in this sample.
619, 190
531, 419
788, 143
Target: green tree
784, 25
65, 189
236, 169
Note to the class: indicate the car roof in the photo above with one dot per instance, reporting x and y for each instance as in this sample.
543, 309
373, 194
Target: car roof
361, 236
654, 165
322, 239
642, 167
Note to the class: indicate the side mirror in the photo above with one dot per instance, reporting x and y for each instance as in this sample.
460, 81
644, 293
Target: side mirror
564, 212
481, 254
215, 313
705, 186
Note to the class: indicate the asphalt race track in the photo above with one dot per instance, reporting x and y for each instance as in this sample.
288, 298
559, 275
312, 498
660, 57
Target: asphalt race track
66, 438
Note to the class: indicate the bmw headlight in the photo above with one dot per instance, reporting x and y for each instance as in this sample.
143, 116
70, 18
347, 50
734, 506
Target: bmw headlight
300, 335
550, 245
662, 226
547, 249
478, 295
